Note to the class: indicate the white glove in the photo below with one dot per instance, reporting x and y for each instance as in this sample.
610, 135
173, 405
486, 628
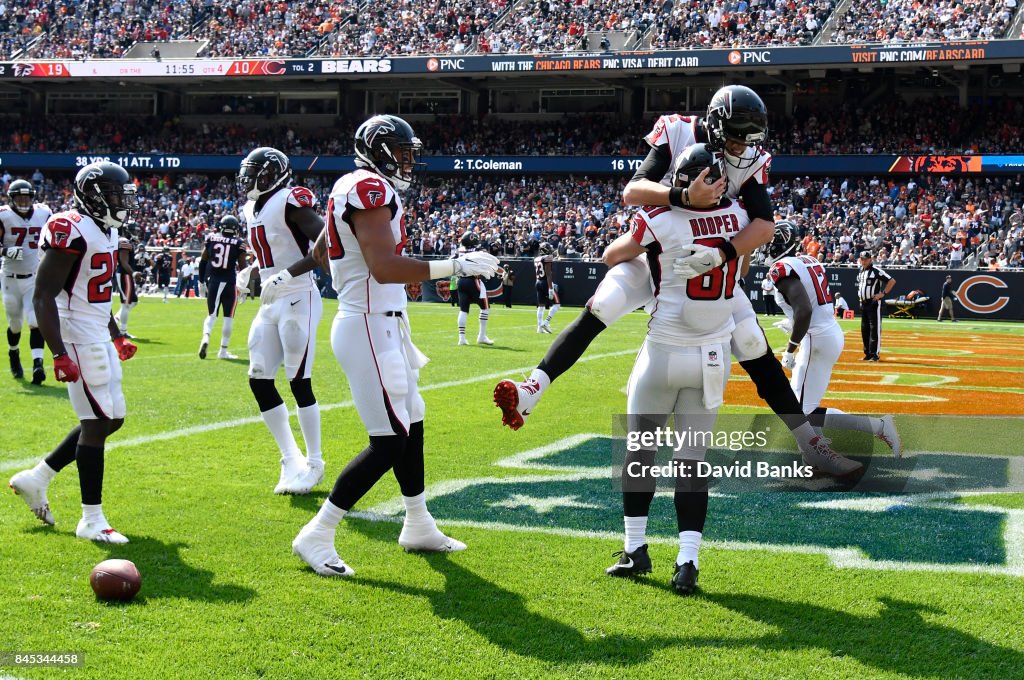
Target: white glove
14, 253
272, 286
785, 325
788, 360
551, 293
767, 286
241, 294
242, 280
476, 264
700, 260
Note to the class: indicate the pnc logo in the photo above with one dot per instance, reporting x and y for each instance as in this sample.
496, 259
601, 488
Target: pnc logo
964, 294
735, 57
433, 64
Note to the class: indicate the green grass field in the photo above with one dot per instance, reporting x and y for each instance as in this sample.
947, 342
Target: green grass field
792, 585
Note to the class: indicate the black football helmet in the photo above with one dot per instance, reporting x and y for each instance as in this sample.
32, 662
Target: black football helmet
263, 171
469, 242
783, 242
22, 195
736, 113
546, 248
104, 191
692, 161
229, 225
387, 145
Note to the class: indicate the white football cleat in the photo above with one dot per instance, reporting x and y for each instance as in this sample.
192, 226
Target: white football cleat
33, 491
463, 341
291, 467
891, 437
427, 538
316, 548
545, 327
307, 478
828, 462
203, 347
484, 340
516, 401
224, 354
101, 532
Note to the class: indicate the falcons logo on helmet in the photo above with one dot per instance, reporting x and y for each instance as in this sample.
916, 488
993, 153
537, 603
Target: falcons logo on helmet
383, 127
277, 158
724, 105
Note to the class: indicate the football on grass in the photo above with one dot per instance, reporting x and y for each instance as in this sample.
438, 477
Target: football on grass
115, 580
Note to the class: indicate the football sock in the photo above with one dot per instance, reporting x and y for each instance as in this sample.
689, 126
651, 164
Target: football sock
636, 532
462, 324
208, 326
363, 471
804, 434
570, 345
484, 315
416, 509
277, 422
225, 332
13, 339
122, 318
93, 513
64, 454
309, 423
90, 473
540, 315
554, 310
409, 467
689, 545
329, 516
841, 420
542, 379
35, 341
774, 389
44, 472
691, 509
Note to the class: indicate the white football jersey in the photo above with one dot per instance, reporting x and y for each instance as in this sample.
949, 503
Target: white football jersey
679, 132
695, 311
17, 232
812, 275
84, 303
276, 245
358, 291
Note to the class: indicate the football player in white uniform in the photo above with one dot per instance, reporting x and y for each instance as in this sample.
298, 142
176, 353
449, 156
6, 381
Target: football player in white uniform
471, 289
21, 223
547, 297
800, 286
282, 224
370, 335
735, 125
73, 302
684, 363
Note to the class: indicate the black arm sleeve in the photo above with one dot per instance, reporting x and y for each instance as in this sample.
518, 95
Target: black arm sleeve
755, 199
655, 165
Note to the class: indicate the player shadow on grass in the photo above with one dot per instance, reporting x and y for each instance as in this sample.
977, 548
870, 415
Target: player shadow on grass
166, 574
898, 639
503, 618
59, 391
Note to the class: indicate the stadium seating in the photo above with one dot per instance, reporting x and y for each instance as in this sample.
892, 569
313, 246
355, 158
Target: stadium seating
915, 21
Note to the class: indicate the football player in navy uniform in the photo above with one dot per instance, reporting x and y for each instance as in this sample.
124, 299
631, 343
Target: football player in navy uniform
472, 290
21, 224
547, 297
126, 277
223, 256
162, 268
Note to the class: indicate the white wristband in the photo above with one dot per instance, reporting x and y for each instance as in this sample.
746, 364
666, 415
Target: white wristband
441, 269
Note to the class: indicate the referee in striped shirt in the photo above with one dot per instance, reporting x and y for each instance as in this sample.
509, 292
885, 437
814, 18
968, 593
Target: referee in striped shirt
873, 284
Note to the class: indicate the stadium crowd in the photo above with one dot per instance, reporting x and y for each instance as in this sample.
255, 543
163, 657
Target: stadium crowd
925, 221
933, 125
906, 21
738, 24
107, 28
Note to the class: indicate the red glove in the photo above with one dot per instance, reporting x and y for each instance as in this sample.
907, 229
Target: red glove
64, 369
126, 349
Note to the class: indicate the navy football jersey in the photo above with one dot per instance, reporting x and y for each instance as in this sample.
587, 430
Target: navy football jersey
222, 255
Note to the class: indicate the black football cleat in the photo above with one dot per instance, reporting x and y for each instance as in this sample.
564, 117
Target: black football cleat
685, 579
16, 370
38, 372
631, 563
